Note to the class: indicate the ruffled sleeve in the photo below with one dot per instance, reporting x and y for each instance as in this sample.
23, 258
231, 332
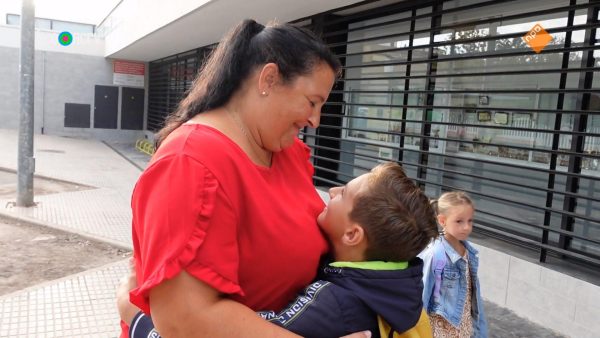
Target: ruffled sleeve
305, 155
182, 220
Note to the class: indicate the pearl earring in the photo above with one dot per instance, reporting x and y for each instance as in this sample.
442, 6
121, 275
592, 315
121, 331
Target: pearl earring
264, 93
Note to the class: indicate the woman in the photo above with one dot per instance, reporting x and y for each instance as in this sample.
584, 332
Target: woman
224, 217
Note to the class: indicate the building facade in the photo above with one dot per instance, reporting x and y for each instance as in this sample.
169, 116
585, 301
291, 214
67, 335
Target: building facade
498, 98
75, 90
453, 91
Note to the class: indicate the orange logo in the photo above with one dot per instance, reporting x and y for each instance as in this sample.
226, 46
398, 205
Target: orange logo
537, 38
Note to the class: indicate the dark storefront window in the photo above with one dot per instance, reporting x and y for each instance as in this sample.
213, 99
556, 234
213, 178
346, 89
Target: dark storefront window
451, 90
170, 79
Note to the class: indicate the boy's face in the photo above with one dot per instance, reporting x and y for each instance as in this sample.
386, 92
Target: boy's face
334, 220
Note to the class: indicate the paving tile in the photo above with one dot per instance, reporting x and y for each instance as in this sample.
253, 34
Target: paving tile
81, 304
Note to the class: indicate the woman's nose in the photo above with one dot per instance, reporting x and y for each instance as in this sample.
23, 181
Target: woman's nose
314, 119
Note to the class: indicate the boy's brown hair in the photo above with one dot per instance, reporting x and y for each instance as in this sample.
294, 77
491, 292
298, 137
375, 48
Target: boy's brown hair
395, 214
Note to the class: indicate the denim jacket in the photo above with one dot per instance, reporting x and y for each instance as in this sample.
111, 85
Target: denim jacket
454, 286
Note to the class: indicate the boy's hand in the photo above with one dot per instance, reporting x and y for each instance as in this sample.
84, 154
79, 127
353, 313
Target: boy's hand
127, 310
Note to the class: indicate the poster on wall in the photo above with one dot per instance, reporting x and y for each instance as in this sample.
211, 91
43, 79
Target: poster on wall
128, 73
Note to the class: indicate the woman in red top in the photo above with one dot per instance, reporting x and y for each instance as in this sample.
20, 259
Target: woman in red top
224, 216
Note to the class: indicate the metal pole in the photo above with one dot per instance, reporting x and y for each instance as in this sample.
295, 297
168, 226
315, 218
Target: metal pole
26, 162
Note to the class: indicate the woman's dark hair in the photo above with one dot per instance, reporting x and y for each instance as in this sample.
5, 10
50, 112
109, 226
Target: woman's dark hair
295, 50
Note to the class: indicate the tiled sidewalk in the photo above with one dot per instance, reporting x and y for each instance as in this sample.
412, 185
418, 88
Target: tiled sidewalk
81, 305
102, 212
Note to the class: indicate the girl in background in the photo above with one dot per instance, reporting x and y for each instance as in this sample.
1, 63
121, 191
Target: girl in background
451, 294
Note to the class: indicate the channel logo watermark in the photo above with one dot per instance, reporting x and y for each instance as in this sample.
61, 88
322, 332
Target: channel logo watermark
65, 38
537, 38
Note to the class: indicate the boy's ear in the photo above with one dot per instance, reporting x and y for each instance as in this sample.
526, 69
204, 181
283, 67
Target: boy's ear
354, 235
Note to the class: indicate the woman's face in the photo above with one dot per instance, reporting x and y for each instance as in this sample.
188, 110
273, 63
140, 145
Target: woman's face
295, 105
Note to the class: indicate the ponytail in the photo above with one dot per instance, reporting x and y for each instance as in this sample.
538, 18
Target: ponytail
216, 80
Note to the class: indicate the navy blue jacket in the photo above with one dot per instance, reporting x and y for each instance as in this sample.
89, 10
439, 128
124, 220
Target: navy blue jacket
348, 300
345, 301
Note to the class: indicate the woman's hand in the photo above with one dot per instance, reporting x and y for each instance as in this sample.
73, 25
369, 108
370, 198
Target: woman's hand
363, 334
127, 310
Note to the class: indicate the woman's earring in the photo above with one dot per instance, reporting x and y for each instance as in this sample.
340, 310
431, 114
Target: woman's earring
442, 231
264, 93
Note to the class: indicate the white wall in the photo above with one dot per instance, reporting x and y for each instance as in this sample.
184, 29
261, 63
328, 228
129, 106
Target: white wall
149, 30
90, 12
552, 299
134, 19
9, 87
83, 44
59, 78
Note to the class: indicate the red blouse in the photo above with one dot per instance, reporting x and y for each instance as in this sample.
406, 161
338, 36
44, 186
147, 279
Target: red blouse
204, 207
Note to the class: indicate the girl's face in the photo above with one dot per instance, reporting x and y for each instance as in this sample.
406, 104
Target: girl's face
458, 221
294, 106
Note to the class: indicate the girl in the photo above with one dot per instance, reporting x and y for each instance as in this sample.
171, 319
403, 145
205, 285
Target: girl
451, 294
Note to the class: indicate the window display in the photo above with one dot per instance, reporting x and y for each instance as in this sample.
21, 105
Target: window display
500, 117
483, 116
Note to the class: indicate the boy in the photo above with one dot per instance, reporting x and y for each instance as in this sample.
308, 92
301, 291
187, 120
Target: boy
376, 226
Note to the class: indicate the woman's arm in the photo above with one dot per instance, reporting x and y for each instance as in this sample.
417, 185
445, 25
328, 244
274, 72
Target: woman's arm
187, 307
144, 325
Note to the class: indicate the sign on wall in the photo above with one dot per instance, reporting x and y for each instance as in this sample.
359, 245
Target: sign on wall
128, 73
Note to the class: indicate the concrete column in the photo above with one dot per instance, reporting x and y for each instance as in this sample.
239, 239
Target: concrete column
26, 162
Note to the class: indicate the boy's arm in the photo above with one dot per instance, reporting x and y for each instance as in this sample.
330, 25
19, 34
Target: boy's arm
142, 327
314, 313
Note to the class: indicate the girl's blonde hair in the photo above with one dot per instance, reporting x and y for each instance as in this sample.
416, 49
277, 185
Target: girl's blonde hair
449, 200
